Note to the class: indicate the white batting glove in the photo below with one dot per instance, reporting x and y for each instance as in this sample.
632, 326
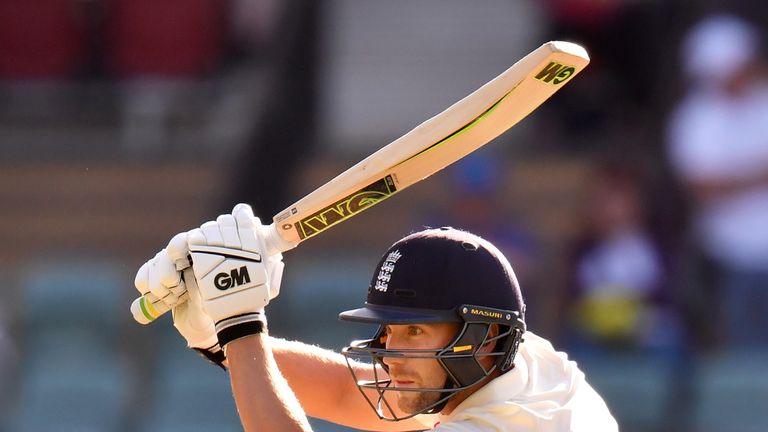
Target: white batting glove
194, 324
165, 280
160, 277
235, 277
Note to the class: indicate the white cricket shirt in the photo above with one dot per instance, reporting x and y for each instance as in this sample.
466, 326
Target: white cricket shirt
715, 137
545, 392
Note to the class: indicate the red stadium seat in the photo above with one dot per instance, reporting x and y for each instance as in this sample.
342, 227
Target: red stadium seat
41, 38
166, 38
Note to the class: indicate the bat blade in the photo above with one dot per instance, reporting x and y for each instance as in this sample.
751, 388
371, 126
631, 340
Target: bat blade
438, 142
445, 138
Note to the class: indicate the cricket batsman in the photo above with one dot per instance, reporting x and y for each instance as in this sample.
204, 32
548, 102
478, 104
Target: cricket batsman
451, 353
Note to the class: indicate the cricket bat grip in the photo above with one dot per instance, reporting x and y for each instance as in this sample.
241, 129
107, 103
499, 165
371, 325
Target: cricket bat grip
145, 311
146, 308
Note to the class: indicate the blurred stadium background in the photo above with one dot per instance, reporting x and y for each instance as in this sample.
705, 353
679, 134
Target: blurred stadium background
123, 122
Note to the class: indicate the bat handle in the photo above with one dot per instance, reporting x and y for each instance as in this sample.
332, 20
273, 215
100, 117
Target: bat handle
275, 243
144, 312
146, 308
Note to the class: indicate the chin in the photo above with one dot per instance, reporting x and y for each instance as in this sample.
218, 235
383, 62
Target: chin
407, 401
413, 402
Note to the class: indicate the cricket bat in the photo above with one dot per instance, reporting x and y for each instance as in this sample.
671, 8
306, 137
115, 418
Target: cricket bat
438, 142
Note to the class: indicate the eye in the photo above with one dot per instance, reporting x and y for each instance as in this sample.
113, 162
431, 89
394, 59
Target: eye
415, 331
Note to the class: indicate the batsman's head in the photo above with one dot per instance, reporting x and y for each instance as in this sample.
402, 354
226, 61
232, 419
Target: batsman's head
450, 316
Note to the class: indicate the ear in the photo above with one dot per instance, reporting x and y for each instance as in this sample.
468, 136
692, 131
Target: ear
493, 331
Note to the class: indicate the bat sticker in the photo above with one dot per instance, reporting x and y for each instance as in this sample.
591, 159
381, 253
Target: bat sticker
346, 207
555, 73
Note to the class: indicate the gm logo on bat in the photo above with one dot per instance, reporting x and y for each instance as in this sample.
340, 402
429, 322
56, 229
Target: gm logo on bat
235, 277
555, 73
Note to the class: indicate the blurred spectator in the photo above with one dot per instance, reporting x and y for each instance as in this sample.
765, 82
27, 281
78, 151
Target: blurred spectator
619, 295
718, 146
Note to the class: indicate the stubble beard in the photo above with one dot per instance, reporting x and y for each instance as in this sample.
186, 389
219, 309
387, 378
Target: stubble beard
413, 402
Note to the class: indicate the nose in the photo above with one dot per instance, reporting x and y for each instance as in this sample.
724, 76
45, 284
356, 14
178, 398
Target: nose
391, 343
392, 361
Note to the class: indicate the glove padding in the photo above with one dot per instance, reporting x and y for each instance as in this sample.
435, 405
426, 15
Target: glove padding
235, 278
165, 280
191, 321
160, 280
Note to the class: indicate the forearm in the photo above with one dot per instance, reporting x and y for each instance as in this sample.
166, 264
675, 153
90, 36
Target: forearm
323, 384
319, 377
264, 399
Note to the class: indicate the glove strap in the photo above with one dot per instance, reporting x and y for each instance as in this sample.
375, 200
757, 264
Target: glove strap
214, 355
240, 326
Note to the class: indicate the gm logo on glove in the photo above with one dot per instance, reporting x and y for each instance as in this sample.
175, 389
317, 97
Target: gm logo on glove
221, 272
235, 277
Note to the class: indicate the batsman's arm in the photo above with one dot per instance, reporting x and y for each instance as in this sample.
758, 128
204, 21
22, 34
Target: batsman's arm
264, 399
319, 379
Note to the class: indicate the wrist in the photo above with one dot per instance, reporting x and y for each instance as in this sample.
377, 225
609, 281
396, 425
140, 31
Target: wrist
214, 355
240, 326
245, 344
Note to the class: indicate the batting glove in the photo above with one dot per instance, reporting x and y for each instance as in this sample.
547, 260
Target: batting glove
235, 277
166, 281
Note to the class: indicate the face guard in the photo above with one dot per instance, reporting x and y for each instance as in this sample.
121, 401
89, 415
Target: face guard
460, 358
